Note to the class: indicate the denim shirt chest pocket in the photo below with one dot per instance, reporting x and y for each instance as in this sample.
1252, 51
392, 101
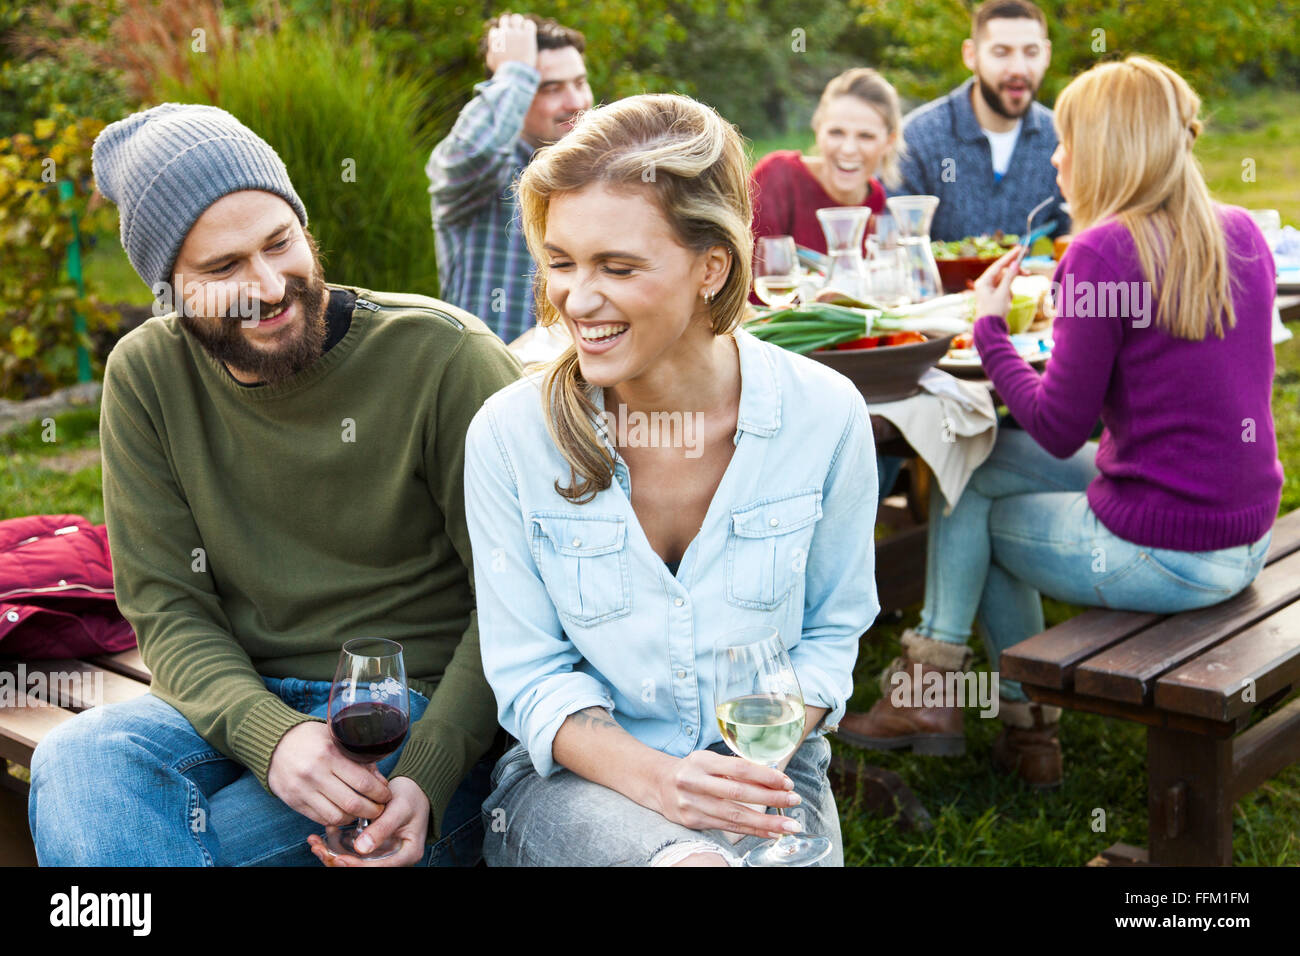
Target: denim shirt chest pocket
583, 561
767, 547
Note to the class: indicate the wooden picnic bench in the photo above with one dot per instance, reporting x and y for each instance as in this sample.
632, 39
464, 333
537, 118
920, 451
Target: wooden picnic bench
1195, 680
24, 723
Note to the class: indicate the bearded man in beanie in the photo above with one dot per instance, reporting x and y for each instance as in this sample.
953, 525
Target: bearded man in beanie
283, 471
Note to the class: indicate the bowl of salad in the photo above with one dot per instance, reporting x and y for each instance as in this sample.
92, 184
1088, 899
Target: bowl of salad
962, 261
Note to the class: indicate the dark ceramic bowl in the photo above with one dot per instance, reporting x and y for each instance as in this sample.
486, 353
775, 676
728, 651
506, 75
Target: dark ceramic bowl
887, 373
955, 274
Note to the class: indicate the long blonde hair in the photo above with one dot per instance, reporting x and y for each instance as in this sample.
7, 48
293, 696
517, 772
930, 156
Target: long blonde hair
692, 161
1129, 129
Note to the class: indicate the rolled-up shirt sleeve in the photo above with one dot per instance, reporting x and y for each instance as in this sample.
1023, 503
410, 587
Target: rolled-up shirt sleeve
840, 600
527, 658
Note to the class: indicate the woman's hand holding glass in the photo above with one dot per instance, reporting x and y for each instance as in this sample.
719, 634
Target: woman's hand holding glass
708, 791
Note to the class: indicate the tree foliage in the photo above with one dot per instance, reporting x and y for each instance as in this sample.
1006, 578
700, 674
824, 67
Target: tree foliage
1214, 44
38, 300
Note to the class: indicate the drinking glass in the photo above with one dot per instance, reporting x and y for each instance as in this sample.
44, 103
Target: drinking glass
760, 711
369, 714
886, 266
776, 271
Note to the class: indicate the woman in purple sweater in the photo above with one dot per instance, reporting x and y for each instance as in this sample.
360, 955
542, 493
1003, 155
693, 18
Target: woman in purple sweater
1165, 303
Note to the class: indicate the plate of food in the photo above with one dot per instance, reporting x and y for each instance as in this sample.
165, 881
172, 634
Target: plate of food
963, 359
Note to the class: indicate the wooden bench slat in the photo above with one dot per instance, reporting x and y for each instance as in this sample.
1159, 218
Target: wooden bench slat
126, 662
76, 685
1049, 659
1211, 685
1127, 670
24, 724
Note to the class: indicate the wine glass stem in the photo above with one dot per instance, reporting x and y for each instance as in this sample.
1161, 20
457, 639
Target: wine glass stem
782, 842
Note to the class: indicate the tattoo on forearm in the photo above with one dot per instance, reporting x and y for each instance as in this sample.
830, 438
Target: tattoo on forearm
594, 718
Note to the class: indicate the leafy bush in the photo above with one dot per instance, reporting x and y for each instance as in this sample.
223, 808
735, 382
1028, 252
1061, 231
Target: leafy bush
38, 301
54, 61
347, 127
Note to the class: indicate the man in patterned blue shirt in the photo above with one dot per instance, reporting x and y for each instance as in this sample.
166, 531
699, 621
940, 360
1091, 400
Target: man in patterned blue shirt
985, 148
536, 87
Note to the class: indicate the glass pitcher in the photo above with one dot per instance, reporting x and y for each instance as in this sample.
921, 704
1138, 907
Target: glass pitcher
844, 227
914, 215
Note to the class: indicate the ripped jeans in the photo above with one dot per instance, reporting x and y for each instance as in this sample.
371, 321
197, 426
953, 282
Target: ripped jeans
566, 820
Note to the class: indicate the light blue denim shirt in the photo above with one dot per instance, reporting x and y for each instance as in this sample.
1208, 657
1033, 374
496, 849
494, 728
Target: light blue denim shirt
575, 609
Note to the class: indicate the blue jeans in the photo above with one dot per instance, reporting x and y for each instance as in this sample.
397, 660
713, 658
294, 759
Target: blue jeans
1023, 528
887, 470
133, 784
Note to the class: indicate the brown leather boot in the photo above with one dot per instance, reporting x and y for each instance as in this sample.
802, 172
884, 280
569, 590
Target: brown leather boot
1028, 744
899, 719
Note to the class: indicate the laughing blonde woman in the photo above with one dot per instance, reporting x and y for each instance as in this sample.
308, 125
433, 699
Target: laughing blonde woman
609, 559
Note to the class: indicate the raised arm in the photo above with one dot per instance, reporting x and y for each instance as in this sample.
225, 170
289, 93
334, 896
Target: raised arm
474, 164
1060, 408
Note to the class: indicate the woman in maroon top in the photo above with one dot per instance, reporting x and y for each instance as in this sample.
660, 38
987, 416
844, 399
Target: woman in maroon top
856, 125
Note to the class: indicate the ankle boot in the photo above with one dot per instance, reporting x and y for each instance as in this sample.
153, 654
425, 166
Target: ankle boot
1028, 744
900, 719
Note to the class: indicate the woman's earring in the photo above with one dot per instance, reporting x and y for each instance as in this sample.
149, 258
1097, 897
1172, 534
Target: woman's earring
708, 297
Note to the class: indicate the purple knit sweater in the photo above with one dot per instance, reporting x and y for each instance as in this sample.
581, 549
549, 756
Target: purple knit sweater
1188, 457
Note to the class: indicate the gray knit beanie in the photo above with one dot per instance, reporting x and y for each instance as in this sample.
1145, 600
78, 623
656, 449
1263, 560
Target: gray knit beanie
164, 166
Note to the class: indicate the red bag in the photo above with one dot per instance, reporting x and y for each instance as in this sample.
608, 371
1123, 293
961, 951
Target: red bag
56, 590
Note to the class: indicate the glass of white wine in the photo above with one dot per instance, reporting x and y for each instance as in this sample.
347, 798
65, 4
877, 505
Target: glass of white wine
776, 271
760, 711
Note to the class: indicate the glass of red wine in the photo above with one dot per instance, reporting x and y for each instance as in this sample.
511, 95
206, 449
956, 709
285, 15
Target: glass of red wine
369, 713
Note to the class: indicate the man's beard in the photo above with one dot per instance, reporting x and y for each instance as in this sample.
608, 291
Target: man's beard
993, 98
222, 336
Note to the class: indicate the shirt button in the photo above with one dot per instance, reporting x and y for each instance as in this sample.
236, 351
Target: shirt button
681, 675
678, 601
774, 522
689, 730
12, 615
577, 542
63, 583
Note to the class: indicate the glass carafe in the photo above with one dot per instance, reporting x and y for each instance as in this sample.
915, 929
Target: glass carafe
844, 227
913, 214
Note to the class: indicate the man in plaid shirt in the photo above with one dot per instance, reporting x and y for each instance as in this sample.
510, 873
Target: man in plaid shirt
536, 88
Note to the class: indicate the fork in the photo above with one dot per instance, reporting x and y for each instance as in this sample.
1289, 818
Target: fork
1030, 221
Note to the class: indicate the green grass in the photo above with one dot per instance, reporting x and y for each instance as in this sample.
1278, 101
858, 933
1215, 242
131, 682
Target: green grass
1259, 127
28, 485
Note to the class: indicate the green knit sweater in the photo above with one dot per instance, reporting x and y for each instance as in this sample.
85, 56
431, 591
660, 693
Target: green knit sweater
254, 530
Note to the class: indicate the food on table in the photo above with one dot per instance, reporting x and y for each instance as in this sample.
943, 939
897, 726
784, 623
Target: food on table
975, 247
820, 325
876, 341
1023, 308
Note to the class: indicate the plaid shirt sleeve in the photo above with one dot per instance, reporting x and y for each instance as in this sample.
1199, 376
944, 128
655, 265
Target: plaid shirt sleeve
475, 163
